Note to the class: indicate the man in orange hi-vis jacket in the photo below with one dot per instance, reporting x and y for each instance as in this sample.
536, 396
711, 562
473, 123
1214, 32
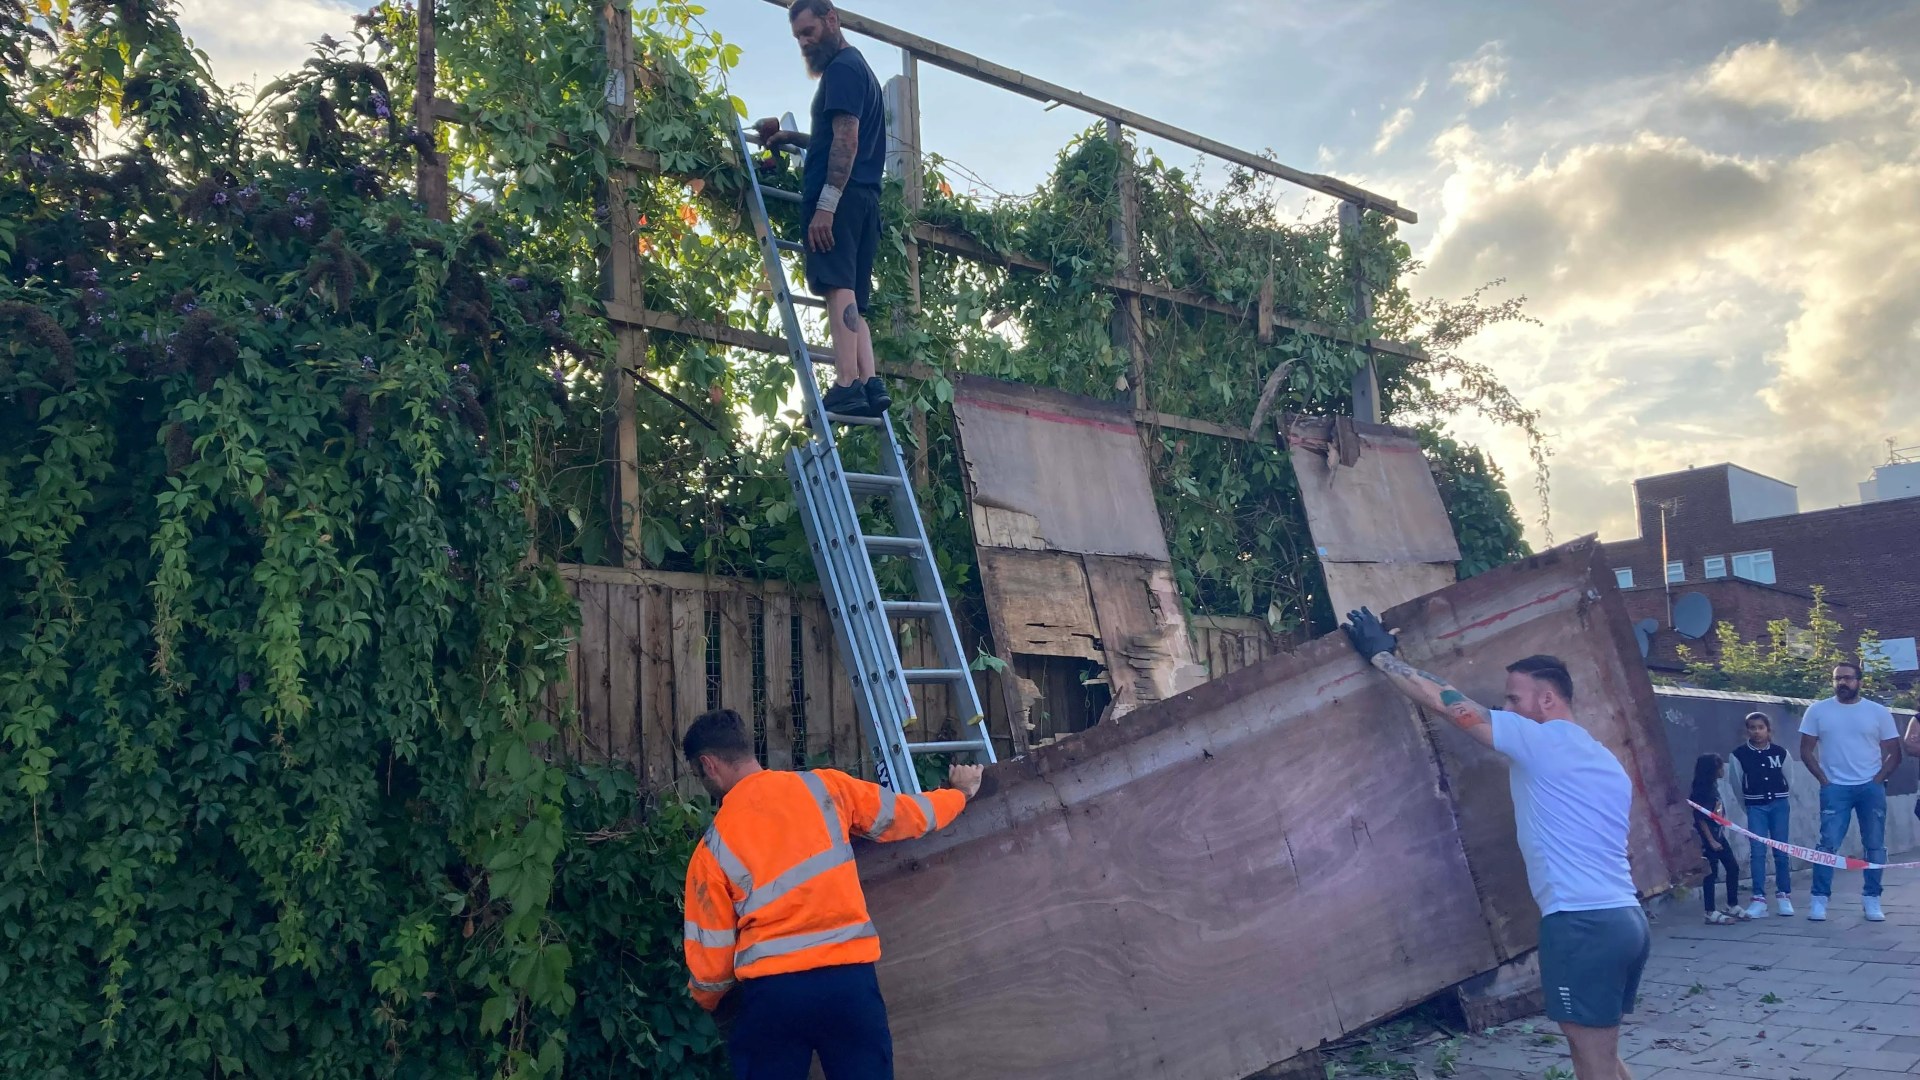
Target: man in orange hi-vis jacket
776, 921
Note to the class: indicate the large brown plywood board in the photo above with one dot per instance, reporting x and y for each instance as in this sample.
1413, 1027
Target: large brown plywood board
1055, 471
1216, 882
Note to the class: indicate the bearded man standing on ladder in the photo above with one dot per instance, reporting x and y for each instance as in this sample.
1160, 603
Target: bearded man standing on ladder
840, 197
1571, 801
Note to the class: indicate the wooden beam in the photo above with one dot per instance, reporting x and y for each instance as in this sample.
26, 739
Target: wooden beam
620, 281
1204, 427
1366, 381
1124, 327
953, 242
430, 181
1006, 78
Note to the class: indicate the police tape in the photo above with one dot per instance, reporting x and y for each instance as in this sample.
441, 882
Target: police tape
1806, 854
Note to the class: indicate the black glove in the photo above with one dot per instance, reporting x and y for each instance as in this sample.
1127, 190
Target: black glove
1369, 637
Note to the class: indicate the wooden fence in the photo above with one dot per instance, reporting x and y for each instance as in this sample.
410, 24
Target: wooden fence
657, 649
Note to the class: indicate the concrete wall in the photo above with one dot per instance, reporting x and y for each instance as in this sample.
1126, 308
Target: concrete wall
1754, 496
1703, 721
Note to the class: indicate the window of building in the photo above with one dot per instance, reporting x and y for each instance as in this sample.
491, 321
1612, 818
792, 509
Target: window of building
1754, 566
1715, 566
1624, 576
1899, 653
1676, 572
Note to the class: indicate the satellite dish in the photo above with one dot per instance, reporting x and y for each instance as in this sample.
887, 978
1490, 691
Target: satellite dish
1693, 615
1643, 632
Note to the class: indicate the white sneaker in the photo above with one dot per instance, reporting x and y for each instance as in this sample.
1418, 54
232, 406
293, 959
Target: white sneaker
1817, 911
1872, 904
1782, 906
1757, 909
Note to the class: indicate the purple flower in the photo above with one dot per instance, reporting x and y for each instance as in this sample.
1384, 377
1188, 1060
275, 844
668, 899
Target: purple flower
327, 42
296, 196
452, 553
462, 369
219, 198
33, 266
304, 221
553, 316
513, 485
517, 284
93, 319
367, 363
96, 294
272, 311
380, 105
90, 276
250, 192
244, 682
189, 308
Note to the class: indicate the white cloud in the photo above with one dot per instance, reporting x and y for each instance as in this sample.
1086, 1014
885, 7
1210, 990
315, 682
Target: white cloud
1767, 75
251, 43
1700, 306
1395, 126
1483, 75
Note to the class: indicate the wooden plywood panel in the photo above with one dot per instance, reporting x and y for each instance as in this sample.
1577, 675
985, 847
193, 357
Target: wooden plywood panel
1382, 585
1040, 603
590, 736
779, 669
821, 676
736, 652
1199, 882
1149, 654
1054, 470
659, 741
1290, 818
689, 636
1383, 508
623, 674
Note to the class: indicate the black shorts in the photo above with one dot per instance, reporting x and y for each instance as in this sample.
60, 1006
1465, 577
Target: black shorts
856, 239
1590, 964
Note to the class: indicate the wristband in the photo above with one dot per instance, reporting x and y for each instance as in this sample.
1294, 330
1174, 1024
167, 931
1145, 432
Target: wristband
829, 199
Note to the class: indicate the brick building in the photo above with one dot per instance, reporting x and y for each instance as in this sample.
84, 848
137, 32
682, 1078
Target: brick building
1740, 540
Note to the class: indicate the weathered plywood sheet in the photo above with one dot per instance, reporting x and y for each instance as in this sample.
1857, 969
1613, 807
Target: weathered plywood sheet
1218, 881
1055, 471
1382, 585
1039, 603
1381, 508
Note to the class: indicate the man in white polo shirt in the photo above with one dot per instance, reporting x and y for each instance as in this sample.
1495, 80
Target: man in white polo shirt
1571, 801
1850, 745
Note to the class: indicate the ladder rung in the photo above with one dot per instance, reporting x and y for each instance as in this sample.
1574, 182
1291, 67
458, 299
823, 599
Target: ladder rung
788, 245
780, 194
943, 747
861, 421
871, 482
807, 301
913, 608
932, 675
892, 545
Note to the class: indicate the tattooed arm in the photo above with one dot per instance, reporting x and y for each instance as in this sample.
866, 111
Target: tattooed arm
1435, 694
1374, 642
846, 143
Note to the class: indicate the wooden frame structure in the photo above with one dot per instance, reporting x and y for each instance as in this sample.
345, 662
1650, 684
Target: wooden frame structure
621, 273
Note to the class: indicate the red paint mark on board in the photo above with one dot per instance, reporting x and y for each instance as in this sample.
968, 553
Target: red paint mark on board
1509, 613
1052, 417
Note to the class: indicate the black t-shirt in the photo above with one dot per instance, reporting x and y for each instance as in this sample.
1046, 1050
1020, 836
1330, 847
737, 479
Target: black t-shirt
1763, 773
847, 86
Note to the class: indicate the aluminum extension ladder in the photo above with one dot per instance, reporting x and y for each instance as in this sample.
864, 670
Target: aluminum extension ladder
830, 500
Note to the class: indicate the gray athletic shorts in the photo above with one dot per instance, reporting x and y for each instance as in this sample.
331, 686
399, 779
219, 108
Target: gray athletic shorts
1590, 964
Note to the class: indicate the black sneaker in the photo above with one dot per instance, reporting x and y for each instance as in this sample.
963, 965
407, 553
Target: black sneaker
849, 400
877, 397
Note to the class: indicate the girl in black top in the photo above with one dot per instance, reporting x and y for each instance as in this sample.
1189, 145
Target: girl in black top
1707, 770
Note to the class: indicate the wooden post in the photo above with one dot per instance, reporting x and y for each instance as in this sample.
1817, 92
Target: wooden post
620, 282
904, 156
1366, 381
1125, 323
430, 175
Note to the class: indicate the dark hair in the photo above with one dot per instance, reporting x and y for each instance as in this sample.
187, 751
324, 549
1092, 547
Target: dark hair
1706, 780
721, 733
1550, 670
1764, 718
819, 9
1857, 673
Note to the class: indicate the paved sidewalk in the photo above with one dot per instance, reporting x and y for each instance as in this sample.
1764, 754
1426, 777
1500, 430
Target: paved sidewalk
1771, 999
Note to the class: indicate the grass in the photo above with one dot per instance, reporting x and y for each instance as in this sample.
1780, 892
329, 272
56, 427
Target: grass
1696, 988
1447, 1058
1555, 1072
1770, 998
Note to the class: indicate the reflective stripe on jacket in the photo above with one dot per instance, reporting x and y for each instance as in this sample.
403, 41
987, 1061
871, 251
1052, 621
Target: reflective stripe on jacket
772, 887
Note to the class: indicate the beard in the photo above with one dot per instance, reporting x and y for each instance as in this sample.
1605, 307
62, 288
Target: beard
820, 54
1845, 694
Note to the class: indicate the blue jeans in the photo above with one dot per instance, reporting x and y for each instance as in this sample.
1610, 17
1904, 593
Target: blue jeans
1838, 803
1770, 820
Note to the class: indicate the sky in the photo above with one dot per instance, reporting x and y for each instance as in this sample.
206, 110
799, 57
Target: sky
1712, 208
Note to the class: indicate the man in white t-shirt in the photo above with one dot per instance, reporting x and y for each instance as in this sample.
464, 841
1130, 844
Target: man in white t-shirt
1571, 801
1850, 745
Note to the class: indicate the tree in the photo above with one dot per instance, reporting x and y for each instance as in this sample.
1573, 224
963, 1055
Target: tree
1792, 660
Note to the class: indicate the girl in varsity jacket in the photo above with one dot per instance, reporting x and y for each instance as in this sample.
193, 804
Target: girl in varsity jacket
1758, 771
